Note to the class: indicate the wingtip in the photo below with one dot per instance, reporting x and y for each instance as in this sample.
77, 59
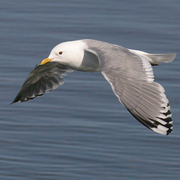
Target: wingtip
165, 127
15, 101
162, 130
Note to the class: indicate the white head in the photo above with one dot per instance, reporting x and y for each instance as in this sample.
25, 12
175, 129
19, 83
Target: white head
68, 53
73, 54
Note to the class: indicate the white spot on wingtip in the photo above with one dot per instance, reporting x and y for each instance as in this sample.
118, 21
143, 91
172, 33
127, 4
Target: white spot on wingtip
160, 130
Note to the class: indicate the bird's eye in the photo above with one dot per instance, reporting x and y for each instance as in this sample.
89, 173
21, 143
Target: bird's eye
60, 52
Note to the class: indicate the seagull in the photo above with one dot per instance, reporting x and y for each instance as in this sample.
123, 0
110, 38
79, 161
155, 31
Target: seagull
128, 71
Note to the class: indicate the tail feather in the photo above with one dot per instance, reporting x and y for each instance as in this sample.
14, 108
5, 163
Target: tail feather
155, 59
159, 58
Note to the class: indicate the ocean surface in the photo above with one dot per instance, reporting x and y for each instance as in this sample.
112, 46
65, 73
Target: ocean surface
80, 131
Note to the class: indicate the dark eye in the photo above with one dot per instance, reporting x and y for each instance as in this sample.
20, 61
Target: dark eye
60, 52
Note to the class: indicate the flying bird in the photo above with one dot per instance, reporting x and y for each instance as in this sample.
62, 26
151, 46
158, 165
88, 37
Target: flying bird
128, 71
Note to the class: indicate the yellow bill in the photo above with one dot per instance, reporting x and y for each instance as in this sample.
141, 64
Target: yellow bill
45, 61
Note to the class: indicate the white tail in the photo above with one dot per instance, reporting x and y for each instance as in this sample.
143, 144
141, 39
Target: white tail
155, 59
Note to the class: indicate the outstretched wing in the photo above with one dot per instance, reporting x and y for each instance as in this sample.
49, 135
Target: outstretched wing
132, 80
145, 101
42, 79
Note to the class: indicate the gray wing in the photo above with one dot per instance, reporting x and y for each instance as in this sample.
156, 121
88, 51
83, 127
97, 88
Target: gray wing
132, 80
42, 79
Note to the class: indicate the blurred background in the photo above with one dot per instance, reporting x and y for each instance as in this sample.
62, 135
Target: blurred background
80, 131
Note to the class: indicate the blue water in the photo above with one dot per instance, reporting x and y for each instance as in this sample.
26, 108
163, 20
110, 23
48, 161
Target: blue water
80, 131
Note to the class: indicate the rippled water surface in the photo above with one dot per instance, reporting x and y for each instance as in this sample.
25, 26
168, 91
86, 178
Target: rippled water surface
80, 131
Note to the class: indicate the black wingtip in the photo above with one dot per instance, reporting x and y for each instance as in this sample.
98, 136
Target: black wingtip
17, 99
